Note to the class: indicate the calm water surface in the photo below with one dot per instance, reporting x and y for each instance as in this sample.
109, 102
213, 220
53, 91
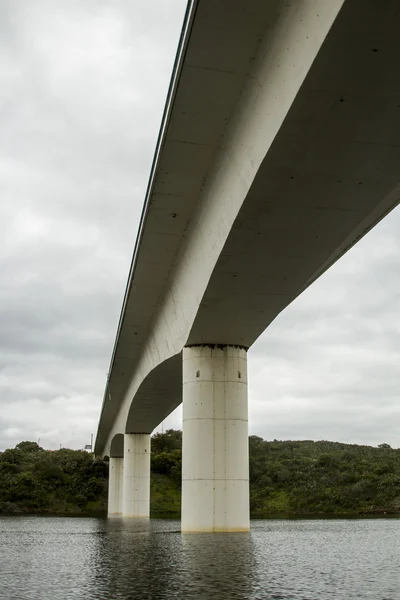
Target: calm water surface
80, 558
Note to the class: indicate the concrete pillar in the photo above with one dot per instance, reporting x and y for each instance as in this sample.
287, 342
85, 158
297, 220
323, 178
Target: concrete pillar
215, 456
136, 489
115, 483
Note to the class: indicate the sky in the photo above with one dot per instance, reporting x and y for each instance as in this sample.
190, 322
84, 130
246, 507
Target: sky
82, 89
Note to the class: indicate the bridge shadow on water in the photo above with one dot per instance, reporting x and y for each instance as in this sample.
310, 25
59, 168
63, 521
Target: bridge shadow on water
152, 559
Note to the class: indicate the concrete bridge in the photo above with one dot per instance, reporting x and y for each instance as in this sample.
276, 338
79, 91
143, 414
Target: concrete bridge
278, 151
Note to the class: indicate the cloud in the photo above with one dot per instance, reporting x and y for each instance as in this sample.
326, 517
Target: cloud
82, 89
327, 368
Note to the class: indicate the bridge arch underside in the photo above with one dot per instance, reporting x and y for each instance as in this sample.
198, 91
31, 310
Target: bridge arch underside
158, 395
117, 446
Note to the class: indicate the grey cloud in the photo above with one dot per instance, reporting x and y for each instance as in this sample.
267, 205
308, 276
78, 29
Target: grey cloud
82, 87
328, 366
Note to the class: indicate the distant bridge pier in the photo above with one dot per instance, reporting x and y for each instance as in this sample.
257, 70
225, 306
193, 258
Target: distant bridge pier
136, 479
115, 483
215, 457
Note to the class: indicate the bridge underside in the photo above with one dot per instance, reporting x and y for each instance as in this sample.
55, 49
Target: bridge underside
330, 175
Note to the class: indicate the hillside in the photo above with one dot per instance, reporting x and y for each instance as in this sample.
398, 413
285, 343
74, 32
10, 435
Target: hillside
304, 477
286, 477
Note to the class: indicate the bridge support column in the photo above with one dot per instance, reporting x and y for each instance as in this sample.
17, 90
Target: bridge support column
115, 482
136, 488
215, 457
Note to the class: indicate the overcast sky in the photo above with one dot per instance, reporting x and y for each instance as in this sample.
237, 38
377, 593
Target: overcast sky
82, 88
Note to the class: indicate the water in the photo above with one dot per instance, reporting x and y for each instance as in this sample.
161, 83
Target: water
54, 558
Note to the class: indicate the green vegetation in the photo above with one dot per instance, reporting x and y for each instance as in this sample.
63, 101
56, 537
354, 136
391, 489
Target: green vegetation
64, 481
287, 478
322, 477
166, 474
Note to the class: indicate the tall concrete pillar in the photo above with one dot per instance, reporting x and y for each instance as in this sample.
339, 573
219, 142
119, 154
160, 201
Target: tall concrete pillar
215, 455
115, 483
136, 488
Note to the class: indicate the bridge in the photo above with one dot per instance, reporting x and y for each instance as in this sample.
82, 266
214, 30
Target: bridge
278, 151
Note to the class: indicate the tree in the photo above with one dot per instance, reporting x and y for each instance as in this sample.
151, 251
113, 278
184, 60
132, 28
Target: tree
29, 447
166, 442
12, 455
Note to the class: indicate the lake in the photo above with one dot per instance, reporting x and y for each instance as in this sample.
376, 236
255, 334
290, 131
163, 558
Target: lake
66, 558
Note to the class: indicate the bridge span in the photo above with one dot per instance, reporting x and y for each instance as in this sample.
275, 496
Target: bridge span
278, 151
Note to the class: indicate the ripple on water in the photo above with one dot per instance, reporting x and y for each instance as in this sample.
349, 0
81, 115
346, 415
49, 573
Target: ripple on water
82, 558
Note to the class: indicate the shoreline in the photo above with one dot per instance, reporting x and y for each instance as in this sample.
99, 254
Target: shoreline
177, 516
